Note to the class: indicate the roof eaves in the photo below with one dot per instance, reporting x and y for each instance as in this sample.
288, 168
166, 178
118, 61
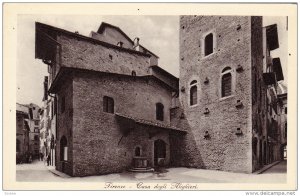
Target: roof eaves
106, 44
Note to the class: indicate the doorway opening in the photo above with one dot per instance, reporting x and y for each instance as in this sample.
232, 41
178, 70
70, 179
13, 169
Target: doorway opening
159, 152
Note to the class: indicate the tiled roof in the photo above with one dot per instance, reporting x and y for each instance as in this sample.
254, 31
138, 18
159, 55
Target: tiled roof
150, 123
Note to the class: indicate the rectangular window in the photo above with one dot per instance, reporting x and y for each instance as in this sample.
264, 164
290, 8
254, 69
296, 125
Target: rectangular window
108, 104
36, 122
62, 106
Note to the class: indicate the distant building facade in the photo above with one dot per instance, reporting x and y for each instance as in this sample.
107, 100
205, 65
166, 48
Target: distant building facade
22, 134
34, 134
117, 109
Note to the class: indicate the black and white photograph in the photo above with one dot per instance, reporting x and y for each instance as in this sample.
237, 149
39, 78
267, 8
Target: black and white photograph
153, 102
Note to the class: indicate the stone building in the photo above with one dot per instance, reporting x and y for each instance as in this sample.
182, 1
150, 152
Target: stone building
22, 134
34, 125
33, 122
107, 118
117, 109
223, 64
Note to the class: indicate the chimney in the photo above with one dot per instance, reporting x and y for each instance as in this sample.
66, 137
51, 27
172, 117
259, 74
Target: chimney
136, 45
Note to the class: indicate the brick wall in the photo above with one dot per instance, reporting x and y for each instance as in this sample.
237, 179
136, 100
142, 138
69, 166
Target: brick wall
224, 150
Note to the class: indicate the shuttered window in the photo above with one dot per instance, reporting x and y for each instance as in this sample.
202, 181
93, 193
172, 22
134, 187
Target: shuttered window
209, 44
226, 85
108, 104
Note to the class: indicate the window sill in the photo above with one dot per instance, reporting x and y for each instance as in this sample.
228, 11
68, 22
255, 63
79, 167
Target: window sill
205, 57
225, 98
193, 106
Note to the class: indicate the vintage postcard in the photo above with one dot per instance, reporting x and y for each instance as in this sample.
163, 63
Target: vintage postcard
149, 96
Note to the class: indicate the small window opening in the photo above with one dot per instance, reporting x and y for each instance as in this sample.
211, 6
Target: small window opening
159, 111
209, 44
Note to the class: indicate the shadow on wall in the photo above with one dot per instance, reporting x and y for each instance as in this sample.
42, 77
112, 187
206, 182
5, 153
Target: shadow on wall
184, 151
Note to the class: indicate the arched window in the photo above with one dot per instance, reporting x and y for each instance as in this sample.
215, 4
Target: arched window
193, 92
18, 146
159, 111
226, 83
63, 149
108, 104
209, 44
137, 151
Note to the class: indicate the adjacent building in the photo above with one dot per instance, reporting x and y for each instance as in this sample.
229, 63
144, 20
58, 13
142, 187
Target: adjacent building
22, 134
114, 108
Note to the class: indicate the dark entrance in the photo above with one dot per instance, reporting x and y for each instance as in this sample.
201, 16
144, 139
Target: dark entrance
159, 152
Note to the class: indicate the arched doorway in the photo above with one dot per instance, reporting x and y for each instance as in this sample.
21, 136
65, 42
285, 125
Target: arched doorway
159, 152
63, 151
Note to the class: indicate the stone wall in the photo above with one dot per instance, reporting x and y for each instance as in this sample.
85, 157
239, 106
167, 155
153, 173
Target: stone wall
84, 54
100, 145
224, 149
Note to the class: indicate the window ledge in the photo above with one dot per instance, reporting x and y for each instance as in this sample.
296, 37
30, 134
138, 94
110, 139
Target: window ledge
205, 57
225, 98
193, 106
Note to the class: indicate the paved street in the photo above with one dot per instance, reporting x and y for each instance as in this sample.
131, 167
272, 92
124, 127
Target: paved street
38, 172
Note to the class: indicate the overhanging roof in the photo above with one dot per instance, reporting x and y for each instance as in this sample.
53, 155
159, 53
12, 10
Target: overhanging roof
278, 69
150, 123
272, 36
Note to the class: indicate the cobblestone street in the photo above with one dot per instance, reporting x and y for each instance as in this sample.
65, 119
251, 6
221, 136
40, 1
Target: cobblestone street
38, 172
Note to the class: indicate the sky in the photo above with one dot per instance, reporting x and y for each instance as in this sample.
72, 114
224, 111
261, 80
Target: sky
159, 34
